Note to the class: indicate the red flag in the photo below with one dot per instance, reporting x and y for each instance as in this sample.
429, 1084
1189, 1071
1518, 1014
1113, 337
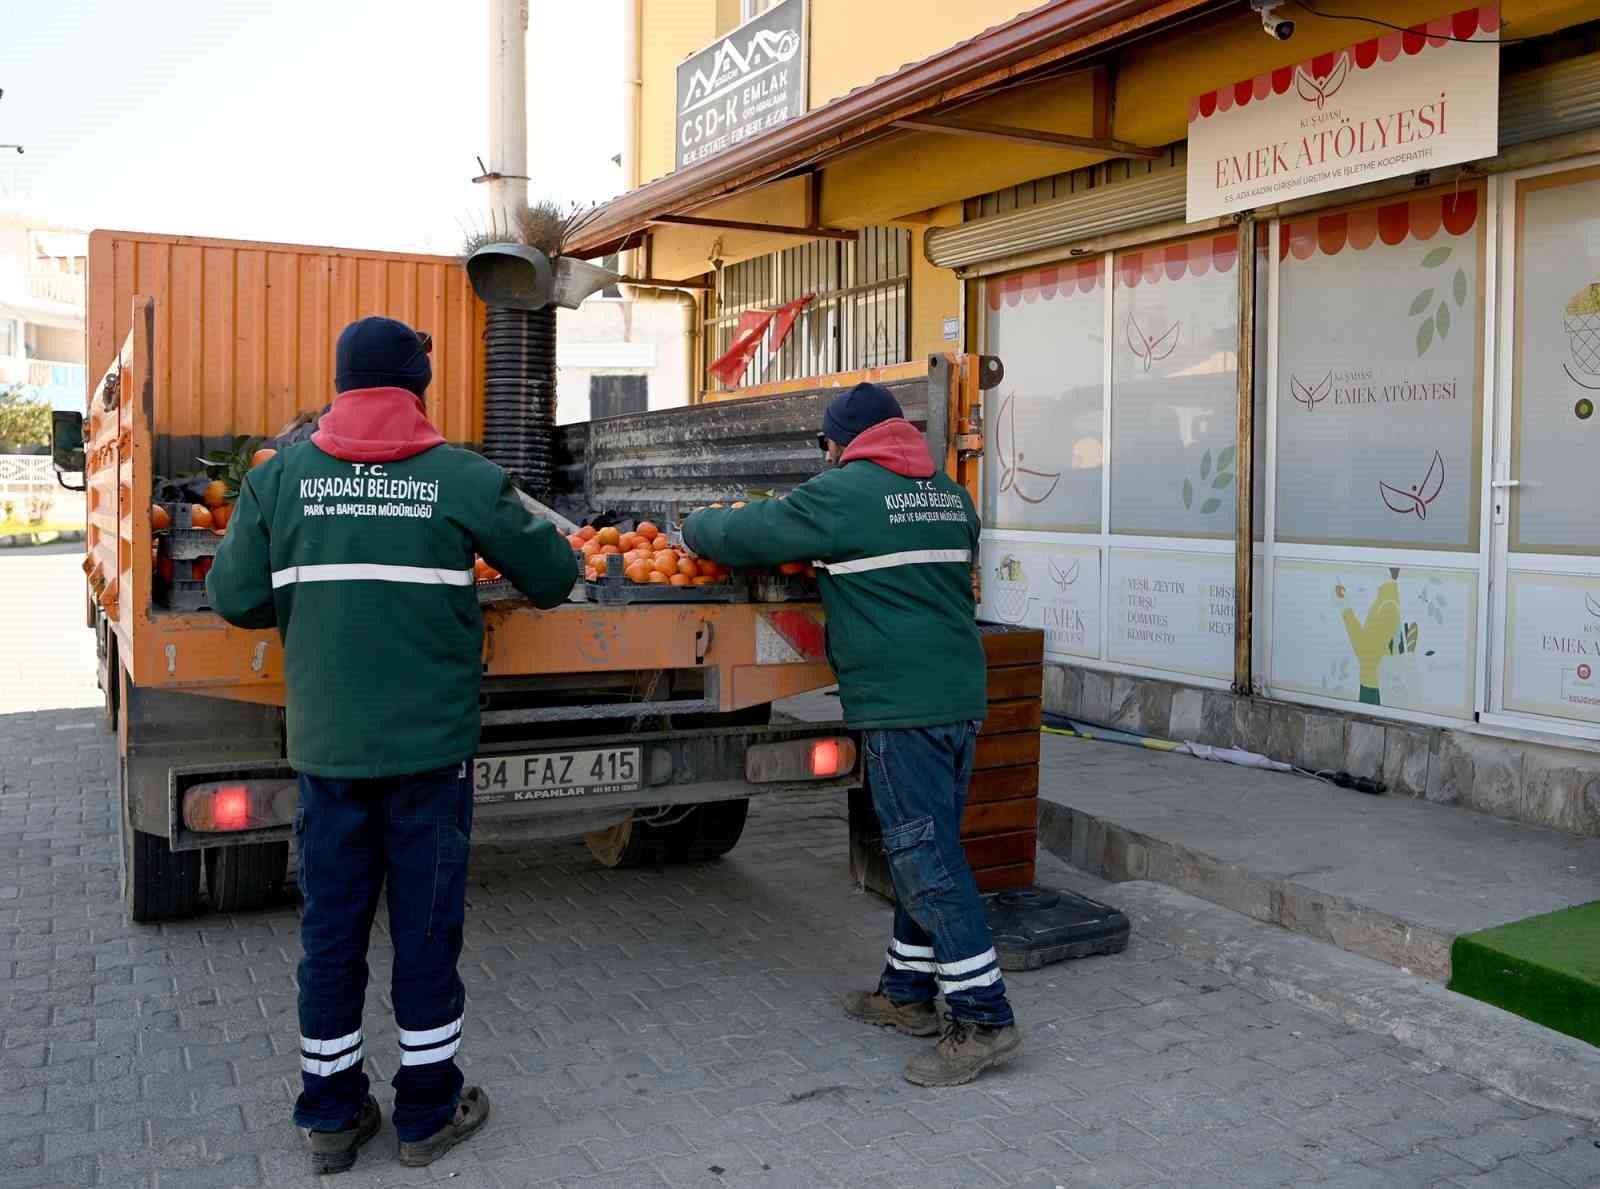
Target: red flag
747, 338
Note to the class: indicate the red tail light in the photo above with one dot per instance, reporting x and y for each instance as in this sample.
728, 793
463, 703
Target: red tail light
230, 807
825, 758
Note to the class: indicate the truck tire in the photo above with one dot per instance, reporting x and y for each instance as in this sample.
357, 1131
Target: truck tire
251, 875
689, 834
158, 883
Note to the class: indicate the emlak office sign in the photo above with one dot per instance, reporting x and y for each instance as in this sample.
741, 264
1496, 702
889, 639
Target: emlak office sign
741, 85
1400, 103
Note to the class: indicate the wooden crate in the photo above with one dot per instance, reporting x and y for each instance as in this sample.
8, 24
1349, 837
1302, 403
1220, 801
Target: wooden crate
999, 830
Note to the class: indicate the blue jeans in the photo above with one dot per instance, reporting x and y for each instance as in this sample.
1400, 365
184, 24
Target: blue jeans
941, 942
353, 836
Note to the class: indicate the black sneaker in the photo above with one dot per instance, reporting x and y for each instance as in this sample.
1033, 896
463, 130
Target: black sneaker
336, 1151
963, 1052
472, 1112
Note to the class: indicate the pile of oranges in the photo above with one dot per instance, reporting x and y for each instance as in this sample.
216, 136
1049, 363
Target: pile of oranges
645, 557
215, 508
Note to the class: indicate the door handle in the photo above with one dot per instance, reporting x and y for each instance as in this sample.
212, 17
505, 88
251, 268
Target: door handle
1505, 482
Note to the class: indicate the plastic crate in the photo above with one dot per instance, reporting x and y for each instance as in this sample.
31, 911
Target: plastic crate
187, 595
499, 591
614, 589
1037, 926
184, 541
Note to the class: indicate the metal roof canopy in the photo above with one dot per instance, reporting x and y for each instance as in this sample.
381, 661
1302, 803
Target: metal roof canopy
967, 71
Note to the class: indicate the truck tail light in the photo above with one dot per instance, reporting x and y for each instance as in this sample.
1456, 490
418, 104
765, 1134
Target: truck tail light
800, 760
227, 806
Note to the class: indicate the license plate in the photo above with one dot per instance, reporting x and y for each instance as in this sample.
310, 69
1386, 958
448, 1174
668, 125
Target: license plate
547, 775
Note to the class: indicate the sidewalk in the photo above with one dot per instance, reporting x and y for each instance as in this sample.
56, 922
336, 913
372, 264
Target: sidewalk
1387, 877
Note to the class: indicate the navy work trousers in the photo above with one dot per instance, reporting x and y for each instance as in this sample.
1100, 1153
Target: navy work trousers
353, 836
941, 942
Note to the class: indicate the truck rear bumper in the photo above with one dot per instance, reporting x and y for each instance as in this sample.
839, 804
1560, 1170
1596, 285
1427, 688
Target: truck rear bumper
681, 767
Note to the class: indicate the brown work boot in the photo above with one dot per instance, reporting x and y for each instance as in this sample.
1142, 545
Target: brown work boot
874, 1007
336, 1151
472, 1112
963, 1052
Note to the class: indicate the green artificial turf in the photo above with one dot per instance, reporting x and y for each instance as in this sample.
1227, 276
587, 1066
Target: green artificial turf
1545, 969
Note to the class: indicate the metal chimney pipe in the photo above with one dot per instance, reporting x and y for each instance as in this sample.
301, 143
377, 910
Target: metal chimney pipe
508, 111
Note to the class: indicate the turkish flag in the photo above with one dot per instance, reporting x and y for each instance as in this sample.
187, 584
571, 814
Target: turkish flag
753, 325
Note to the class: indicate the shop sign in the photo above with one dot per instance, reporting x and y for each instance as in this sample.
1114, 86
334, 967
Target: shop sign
1402, 103
743, 84
1553, 645
1052, 586
1171, 610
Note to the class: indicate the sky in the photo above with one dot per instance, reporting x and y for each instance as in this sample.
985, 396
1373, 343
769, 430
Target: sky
349, 123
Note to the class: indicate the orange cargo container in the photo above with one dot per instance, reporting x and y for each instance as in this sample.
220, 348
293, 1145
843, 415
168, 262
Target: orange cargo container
199, 340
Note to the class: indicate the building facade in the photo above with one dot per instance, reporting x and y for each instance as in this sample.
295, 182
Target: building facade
42, 270
1365, 378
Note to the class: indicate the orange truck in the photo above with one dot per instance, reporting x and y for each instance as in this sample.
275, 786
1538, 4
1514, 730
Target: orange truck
644, 728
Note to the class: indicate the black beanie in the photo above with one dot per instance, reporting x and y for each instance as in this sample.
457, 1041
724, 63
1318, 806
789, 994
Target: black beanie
381, 353
859, 410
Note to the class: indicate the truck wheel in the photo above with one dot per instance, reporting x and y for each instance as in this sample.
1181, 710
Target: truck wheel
690, 834
247, 876
158, 883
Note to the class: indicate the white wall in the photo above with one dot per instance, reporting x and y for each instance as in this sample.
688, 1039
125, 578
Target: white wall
606, 336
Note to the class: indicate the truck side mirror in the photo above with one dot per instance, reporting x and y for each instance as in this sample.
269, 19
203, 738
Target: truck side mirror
66, 446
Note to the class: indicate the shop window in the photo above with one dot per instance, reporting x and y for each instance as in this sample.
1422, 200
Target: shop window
1379, 359
1174, 389
1556, 382
1044, 426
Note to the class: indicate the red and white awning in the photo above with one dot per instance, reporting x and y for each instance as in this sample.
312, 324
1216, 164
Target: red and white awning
1059, 280
1421, 218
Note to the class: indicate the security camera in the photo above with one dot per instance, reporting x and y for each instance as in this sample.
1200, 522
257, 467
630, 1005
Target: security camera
1275, 27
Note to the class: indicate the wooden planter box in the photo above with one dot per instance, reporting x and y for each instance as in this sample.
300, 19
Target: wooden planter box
1000, 830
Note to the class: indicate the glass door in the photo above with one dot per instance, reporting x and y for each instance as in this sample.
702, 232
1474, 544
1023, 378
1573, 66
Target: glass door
1544, 493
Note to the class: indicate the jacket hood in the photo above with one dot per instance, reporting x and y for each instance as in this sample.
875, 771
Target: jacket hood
376, 425
895, 445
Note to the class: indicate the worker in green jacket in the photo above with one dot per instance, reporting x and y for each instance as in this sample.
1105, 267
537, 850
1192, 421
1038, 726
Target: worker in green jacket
894, 542
358, 547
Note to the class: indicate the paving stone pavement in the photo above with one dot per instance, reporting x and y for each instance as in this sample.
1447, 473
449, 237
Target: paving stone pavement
677, 1028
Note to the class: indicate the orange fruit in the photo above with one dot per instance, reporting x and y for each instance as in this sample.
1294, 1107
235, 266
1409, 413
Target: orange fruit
610, 550
666, 561
688, 568
600, 563
590, 575
637, 572
792, 568
588, 532
738, 503
159, 518
718, 505
657, 578
216, 494
660, 542
199, 516
627, 542
220, 515
590, 547
703, 580
608, 536
484, 572
647, 531
261, 456
679, 580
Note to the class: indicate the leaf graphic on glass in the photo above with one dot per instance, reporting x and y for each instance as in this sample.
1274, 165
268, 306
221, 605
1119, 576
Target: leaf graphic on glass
1414, 500
1063, 578
1319, 90
1210, 506
1225, 459
1205, 466
1188, 495
1012, 472
1436, 257
1151, 349
1310, 397
1442, 320
1421, 302
1460, 286
1424, 337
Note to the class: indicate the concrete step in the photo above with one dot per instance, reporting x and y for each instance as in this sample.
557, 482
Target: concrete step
1387, 877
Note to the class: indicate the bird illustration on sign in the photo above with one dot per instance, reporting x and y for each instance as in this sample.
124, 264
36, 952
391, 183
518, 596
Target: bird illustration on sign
1317, 90
1414, 500
1314, 395
1149, 349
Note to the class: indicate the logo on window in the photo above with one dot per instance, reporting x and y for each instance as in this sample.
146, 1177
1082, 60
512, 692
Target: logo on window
1592, 605
1012, 472
1311, 395
1151, 349
1414, 500
1322, 81
1063, 578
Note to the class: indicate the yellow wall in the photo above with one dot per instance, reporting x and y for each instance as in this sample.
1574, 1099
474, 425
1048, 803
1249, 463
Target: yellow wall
669, 31
856, 41
935, 292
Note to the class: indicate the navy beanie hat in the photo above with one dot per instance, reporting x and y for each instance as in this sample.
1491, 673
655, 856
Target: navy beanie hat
859, 410
382, 353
